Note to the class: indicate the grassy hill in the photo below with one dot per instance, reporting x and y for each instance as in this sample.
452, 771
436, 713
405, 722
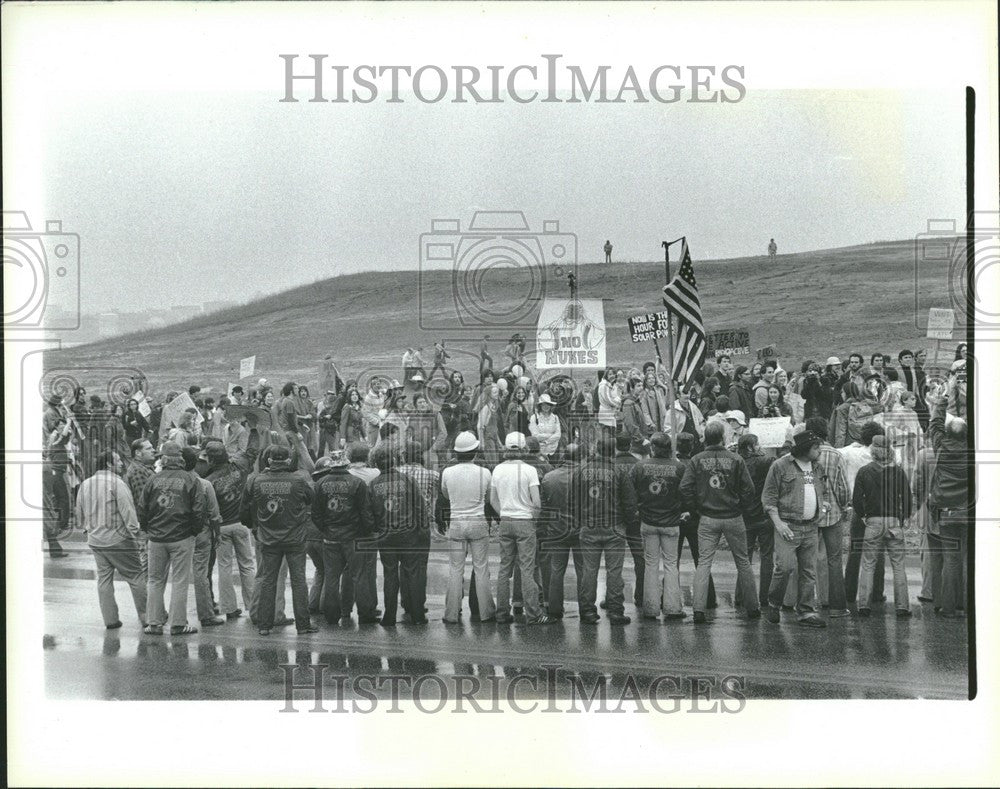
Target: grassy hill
810, 305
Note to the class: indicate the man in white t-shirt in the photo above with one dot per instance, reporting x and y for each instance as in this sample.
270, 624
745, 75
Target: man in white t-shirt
794, 497
514, 494
461, 516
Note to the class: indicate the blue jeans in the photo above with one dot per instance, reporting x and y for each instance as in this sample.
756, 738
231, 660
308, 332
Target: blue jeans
175, 557
796, 555
884, 532
661, 588
465, 537
710, 530
234, 540
267, 579
594, 542
336, 596
557, 553
518, 543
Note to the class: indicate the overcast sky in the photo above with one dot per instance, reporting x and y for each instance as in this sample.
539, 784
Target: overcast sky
187, 197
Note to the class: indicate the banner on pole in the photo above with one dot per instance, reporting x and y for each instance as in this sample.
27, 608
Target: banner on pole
650, 326
728, 342
571, 334
247, 367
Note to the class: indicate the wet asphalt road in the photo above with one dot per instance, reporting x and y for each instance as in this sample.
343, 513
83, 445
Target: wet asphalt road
881, 657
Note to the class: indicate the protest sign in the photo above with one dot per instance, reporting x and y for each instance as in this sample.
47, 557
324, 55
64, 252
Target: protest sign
144, 408
571, 334
728, 342
251, 415
940, 323
247, 367
172, 412
771, 431
767, 352
649, 326
329, 377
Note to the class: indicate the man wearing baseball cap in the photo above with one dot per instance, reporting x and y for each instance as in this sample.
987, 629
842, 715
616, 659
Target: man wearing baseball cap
171, 511
514, 493
794, 498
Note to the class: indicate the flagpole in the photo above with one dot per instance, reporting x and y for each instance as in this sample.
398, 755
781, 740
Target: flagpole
671, 394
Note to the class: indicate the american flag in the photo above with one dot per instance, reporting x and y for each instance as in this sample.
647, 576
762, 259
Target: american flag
680, 298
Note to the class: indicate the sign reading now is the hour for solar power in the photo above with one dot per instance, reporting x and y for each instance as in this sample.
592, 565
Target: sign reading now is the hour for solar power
649, 326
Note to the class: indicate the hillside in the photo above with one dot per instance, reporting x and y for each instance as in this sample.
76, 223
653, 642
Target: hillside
809, 305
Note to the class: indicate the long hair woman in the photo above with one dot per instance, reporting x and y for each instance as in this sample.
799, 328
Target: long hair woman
518, 413
352, 422
488, 425
775, 405
135, 423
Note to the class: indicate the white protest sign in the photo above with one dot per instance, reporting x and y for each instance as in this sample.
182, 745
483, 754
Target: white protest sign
144, 408
940, 323
771, 431
247, 367
173, 410
571, 334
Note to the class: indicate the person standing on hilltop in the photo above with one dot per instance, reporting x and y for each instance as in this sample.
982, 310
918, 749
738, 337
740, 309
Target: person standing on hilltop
607, 251
485, 360
772, 250
440, 357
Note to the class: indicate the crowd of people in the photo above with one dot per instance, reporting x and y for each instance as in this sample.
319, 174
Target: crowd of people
255, 483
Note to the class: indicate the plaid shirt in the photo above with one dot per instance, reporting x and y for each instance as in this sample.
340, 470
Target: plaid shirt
834, 469
136, 476
428, 482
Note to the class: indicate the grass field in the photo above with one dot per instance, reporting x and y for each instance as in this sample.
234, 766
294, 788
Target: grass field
810, 305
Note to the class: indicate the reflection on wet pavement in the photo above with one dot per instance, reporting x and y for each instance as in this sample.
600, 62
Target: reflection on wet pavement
882, 657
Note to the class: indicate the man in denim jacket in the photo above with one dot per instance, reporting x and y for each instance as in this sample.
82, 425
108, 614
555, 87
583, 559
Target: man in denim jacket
795, 497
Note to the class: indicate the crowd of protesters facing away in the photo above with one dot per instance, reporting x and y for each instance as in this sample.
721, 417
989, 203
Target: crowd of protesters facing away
550, 470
